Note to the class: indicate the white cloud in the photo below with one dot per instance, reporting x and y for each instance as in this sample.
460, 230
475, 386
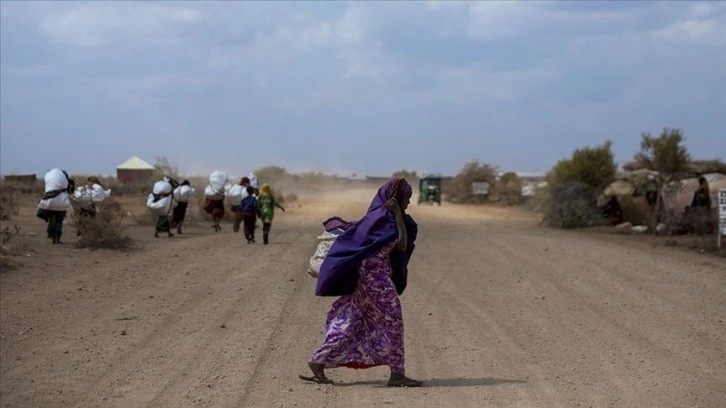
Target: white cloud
95, 24
709, 32
346, 36
513, 19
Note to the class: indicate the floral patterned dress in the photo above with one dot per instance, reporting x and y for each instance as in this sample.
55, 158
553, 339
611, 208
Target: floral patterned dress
365, 329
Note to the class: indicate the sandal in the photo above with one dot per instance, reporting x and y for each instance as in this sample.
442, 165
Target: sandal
318, 374
403, 381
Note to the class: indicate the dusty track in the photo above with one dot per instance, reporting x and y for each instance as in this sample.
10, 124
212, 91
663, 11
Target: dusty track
499, 312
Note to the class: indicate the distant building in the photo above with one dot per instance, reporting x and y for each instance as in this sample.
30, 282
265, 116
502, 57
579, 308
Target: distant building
134, 171
22, 179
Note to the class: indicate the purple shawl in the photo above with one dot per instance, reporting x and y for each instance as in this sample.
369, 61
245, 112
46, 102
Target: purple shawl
339, 271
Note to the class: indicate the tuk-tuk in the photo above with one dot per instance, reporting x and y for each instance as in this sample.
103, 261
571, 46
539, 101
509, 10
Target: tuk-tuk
430, 189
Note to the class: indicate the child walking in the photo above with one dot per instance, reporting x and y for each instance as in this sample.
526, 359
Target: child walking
249, 214
266, 204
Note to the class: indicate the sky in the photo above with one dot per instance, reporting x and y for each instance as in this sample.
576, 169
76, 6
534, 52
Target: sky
354, 87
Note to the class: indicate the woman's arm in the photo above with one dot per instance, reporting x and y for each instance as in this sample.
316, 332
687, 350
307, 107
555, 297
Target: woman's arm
402, 242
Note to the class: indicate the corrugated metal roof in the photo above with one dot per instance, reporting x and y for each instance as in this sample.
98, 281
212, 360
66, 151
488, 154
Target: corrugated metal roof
135, 163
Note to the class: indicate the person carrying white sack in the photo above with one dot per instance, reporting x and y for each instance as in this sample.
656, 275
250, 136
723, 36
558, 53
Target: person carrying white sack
214, 198
55, 202
235, 195
182, 196
89, 196
161, 202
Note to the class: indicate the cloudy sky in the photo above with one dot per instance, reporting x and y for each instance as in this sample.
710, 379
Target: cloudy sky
357, 87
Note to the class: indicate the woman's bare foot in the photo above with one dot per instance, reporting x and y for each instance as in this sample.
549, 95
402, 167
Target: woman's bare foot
318, 374
400, 380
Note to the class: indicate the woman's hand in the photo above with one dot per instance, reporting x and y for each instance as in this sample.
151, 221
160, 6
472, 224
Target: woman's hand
393, 206
402, 241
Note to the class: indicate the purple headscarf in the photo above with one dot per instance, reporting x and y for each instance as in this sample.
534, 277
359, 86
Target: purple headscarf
339, 271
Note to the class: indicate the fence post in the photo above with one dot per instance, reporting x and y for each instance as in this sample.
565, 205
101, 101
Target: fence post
721, 229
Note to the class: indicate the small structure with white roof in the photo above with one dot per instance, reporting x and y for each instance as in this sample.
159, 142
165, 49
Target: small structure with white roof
134, 171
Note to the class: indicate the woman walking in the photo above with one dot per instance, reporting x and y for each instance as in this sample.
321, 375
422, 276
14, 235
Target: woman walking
266, 204
235, 195
161, 203
182, 195
367, 266
55, 202
214, 196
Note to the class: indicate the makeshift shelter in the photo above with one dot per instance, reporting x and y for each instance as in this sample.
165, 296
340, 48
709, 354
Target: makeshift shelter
630, 191
678, 195
134, 171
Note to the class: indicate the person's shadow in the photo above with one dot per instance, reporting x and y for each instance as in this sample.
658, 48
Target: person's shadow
445, 382
469, 382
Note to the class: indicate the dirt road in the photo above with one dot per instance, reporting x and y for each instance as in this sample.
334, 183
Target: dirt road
499, 313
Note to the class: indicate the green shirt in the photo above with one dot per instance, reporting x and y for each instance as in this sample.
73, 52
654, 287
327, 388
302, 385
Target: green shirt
266, 207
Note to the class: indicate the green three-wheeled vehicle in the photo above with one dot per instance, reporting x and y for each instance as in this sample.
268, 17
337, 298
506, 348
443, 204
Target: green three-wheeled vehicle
430, 189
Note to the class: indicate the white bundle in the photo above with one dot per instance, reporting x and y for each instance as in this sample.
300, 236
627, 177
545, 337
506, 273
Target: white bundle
213, 194
162, 187
217, 180
316, 261
183, 194
83, 196
253, 181
236, 194
94, 194
55, 180
61, 202
163, 206
98, 194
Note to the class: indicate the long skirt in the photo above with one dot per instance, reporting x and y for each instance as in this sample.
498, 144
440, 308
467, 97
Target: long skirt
215, 208
178, 214
365, 329
162, 223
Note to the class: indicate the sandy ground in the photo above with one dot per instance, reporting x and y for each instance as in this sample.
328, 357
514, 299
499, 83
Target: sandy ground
499, 313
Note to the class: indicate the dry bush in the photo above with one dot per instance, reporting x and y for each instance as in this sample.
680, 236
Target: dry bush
510, 189
10, 246
572, 205
105, 230
9, 198
460, 188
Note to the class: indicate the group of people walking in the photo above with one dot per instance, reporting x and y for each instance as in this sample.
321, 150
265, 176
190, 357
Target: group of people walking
245, 201
169, 201
60, 194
